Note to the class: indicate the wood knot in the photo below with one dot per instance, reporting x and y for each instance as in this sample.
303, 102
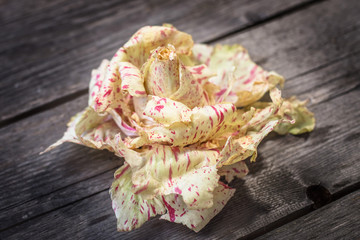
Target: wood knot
319, 195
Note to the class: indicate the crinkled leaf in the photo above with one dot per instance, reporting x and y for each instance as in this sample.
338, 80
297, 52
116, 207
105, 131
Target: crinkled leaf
186, 179
238, 170
162, 170
205, 123
97, 77
190, 91
293, 109
209, 122
264, 111
148, 38
238, 149
200, 73
166, 111
131, 209
166, 76
161, 72
241, 80
90, 129
135, 52
131, 79
109, 94
125, 128
196, 219
196, 187
202, 53
96, 131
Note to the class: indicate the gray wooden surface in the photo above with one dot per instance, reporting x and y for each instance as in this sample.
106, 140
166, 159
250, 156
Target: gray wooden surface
64, 194
325, 223
49, 47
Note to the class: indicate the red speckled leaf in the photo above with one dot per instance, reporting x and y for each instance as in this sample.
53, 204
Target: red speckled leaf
241, 81
161, 170
165, 75
148, 38
202, 53
97, 78
125, 128
190, 91
110, 94
131, 209
131, 79
135, 53
166, 111
200, 73
261, 122
196, 219
238, 149
238, 170
206, 123
161, 72
90, 129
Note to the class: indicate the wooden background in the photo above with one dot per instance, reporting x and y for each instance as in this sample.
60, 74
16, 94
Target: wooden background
299, 188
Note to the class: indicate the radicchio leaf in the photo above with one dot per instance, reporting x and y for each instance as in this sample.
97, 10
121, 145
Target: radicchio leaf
293, 109
241, 81
196, 219
131, 209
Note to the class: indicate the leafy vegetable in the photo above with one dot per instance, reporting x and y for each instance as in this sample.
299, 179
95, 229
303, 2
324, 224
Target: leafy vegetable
170, 109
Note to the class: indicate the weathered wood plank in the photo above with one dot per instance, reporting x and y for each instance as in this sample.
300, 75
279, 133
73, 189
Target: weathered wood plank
48, 48
338, 220
28, 175
37, 205
324, 84
56, 199
322, 34
274, 189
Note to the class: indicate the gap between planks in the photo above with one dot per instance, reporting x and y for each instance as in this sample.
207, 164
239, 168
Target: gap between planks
276, 16
301, 212
337, 220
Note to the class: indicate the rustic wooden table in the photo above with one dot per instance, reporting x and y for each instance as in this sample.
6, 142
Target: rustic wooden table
299, 188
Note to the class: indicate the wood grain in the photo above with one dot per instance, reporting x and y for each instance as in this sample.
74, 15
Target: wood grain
29, 175
48, 48
338, 220
274, 189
